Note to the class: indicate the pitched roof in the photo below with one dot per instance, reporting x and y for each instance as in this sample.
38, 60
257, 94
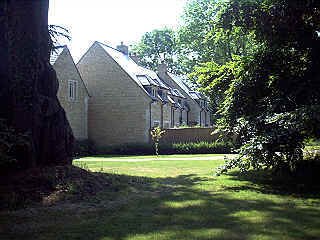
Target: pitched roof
142, 76
181, 81
54, 57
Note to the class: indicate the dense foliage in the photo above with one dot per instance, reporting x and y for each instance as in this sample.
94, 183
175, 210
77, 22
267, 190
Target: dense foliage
269, 98
164, 148
201, 38
258, 60
156, 47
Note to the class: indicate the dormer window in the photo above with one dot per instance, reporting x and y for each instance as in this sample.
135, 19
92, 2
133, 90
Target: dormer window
164, 94
154, 92
148, 89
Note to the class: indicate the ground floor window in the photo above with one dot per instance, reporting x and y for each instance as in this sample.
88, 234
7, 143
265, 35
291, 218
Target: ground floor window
156, 123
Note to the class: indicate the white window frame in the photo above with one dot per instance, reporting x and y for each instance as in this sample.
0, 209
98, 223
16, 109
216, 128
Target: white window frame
154, 92
156, 123
72, 90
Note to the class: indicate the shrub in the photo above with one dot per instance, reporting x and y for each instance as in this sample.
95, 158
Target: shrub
129, 149
156, 135
176, 148
83, 148
202, 147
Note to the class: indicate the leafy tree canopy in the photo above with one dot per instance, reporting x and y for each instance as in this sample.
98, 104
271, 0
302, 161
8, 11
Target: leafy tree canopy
202, 38
271, 97
156, 47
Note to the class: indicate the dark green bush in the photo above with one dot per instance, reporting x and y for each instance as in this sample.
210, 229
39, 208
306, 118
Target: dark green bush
83, 148
176, 148
129, 149
202, 147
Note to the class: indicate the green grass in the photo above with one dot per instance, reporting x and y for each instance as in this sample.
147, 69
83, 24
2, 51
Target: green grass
171, 199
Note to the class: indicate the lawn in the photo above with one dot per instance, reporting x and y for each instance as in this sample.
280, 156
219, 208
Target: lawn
169, 198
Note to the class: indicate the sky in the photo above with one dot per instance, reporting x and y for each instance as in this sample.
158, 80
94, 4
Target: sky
112, 21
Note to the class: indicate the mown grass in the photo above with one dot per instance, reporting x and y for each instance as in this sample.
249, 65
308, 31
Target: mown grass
171, 199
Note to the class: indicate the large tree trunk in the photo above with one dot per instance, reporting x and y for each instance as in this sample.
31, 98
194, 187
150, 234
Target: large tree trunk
28, 84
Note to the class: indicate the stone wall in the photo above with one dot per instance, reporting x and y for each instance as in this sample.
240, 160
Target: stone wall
156, 109
76, 109
166, 115
182, 135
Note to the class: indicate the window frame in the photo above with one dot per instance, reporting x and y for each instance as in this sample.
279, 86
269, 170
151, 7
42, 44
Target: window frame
72, 90
154, 92
156, 123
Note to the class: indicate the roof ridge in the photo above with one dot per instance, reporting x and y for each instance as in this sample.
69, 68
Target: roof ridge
106, 45
126, 55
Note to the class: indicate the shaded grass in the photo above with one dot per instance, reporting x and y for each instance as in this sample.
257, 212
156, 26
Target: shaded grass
172, 200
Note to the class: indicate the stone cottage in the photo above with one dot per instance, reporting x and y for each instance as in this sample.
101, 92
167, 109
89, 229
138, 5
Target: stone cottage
198, 105
127, 100
72, 94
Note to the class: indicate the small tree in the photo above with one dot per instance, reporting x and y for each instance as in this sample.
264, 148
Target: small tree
157, 134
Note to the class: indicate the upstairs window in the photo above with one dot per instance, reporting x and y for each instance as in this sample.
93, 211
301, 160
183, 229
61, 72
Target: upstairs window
148, 89
154, 92
164, 94
72, 90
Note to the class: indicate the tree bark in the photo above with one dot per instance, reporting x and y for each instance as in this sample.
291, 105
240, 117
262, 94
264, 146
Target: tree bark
28, 84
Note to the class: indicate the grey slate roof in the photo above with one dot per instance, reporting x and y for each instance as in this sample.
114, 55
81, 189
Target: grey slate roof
181, 81
142, 76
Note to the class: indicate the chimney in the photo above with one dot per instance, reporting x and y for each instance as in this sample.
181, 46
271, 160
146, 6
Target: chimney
162, 68
123, 48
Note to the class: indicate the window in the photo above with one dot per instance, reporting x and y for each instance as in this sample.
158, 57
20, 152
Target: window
156, 123
72, 90
154, 92
164, 94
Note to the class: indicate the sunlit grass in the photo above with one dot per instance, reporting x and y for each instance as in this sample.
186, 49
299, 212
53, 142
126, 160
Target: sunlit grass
171, 199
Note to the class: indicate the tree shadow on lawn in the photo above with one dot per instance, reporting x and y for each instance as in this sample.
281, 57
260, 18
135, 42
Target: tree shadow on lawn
265, 181
171, 208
